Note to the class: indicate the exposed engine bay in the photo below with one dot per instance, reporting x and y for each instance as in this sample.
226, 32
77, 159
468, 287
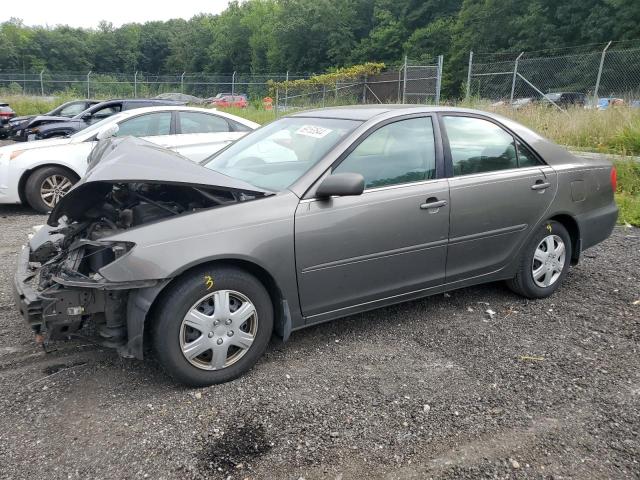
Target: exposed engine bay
64, 261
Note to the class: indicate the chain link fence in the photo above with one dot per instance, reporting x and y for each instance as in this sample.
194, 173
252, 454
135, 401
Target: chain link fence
413, 82
610, 71
138, 84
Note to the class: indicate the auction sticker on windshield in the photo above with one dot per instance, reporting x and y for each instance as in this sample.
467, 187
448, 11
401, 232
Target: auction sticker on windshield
313, 131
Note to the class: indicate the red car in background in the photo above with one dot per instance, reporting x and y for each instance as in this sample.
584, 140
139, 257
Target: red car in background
226, 100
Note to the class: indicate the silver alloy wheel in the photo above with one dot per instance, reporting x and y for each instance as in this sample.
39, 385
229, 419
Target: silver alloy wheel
53, 188
548, 261
218, 330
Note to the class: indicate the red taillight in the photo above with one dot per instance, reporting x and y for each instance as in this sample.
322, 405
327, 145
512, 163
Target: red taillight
6, 114
614, 179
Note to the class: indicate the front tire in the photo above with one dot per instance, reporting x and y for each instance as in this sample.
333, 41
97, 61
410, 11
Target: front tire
544, 262
212, 326
46, 186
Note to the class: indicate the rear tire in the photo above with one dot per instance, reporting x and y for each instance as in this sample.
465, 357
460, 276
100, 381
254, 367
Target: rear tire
544, 262
192, 318
46, 186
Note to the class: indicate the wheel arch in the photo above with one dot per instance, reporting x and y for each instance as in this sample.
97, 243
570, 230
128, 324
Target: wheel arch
570, 223
139, 319
22, 182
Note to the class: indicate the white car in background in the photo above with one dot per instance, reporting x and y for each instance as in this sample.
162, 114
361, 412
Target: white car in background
40, 173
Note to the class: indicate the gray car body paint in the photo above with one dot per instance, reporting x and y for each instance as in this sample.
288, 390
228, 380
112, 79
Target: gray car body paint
277, 234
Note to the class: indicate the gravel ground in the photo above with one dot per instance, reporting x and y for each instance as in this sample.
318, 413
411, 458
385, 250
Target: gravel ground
427, 389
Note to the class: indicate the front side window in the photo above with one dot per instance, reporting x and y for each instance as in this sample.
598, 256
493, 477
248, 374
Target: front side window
149, 125
479, 146
401, 152
191, 122
276, 155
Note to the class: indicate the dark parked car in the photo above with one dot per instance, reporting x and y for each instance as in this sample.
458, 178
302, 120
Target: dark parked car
310, 218
568, 99
6, 114
51, 127
19, 127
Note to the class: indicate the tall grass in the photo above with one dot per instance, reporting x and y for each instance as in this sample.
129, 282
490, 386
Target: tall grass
615, 130
24, 105
628, 191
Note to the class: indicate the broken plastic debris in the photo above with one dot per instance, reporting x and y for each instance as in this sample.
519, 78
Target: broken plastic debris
490, 312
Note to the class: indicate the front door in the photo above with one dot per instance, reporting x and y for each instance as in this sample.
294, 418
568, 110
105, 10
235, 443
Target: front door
389, 241
499, 191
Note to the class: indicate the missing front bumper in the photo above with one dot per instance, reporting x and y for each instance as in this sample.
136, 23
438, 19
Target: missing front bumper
63, 309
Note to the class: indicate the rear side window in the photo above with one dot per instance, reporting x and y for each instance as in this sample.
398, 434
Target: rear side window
401, 152
526, 158
479, 146
192, 122
72, 110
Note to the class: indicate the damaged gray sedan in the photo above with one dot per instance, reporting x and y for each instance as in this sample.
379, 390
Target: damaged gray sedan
313, 217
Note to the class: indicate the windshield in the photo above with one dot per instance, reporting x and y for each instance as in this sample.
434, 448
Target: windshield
277, 155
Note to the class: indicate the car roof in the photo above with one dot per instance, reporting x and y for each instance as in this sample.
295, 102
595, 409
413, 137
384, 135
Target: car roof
368, 112
170, 108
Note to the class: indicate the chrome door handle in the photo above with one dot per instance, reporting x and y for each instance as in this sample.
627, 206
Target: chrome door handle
540, 186
433, 203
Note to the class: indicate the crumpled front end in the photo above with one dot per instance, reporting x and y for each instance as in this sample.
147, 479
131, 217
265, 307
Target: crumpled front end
59, 287
59, 291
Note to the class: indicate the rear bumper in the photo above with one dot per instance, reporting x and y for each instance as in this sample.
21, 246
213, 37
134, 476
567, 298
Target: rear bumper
596, 226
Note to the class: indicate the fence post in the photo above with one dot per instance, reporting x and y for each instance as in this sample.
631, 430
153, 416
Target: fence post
88, 80
468, 95
277, 95
286, 91
404, 83
439, 78
233, 83
41, 83
595, 91
515, 73
324, 93
135, 84
364, 90
182, 82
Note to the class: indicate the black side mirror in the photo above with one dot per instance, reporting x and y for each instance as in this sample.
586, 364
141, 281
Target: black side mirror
341, 184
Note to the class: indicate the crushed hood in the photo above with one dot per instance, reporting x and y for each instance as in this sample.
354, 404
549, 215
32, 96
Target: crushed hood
133, 160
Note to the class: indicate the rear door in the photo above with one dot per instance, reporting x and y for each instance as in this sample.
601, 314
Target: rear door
389, 241
200, 134
499, 191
